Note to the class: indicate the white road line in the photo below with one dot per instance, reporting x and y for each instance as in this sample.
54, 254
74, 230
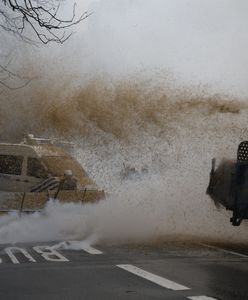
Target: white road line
154, 278
10, 251
201, 298
224, 250
91, 250
80, 245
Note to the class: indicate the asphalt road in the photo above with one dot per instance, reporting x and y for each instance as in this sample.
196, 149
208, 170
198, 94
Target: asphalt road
137, 272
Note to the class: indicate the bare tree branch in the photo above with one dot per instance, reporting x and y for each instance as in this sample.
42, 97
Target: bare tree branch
41, 16
21, 18
11, 80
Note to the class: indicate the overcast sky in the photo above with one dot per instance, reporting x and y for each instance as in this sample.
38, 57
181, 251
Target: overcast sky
199, 41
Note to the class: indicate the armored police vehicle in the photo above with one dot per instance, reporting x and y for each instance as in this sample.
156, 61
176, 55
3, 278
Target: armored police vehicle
37, 170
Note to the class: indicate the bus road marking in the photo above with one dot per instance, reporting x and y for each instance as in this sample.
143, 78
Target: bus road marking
154, 278
50, 254
9, 251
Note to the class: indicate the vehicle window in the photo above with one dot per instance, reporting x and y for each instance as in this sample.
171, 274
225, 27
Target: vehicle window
11, 164
35, 168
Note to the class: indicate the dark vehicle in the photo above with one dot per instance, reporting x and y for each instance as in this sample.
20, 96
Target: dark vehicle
228, 185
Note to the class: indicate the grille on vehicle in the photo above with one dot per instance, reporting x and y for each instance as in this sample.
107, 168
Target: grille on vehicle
242, 155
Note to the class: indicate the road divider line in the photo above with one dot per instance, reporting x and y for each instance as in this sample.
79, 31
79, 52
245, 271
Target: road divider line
154, 278
201, 298
224, 250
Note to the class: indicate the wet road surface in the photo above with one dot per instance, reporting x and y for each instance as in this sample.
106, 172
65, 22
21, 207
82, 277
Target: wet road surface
173, 271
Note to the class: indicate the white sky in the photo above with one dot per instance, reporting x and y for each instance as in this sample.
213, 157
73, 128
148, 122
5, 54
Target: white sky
199, 41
